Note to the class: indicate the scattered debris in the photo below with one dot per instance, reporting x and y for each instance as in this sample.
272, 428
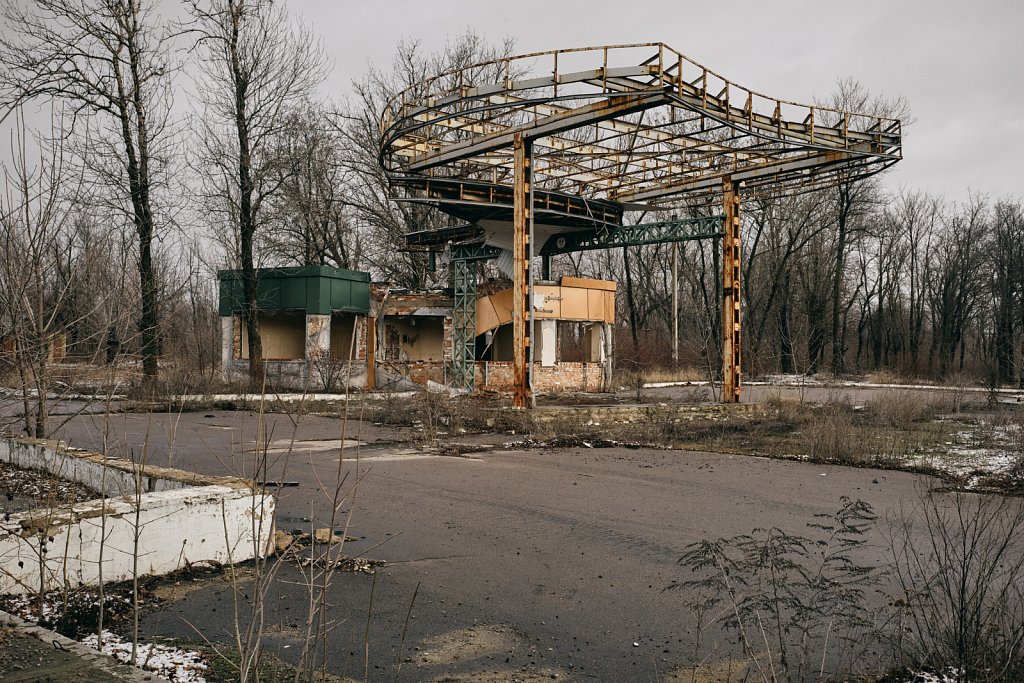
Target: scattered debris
282, 541
297, 539
327, 535
291, 547
22, 490
578, 442
344, 563
456, 449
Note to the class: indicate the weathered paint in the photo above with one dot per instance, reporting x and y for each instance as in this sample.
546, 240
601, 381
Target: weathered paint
179, 517
313, 289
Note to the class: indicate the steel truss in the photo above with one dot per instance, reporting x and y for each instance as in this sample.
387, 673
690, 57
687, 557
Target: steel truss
462, 262
660, 232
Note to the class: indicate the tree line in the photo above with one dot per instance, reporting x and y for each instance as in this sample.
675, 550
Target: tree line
179, 145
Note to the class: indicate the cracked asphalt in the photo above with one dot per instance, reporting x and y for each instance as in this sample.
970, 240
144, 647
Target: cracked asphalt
530, 565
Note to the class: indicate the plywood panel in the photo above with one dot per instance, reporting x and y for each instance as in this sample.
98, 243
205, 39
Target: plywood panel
486, 317
587, 283
342, 329
283, 336
552, 301
574, 304
560, 303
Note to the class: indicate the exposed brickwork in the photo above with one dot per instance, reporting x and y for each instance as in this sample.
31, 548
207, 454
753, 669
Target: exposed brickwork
360, 341
557, 378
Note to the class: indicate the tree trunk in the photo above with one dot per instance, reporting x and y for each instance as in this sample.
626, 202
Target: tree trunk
633, 326
246, 210
786, 360
838, 365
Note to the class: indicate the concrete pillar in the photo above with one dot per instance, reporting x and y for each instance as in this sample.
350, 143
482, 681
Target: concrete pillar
227, 346
607, 355
593, 343
546, 336
318, 345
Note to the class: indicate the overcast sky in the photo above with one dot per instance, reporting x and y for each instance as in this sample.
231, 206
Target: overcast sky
960, 65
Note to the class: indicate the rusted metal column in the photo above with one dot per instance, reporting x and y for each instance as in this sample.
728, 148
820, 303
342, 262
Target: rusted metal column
731, 338
371, 352
520, 272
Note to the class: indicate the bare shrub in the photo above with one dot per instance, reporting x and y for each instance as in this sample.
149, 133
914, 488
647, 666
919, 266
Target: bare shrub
830, 436
631, 380
1016, 469
960, 576
398, 411
790, 411
901, 409
794, 604
438, 414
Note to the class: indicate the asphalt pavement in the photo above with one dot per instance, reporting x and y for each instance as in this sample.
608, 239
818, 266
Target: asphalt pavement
529, 564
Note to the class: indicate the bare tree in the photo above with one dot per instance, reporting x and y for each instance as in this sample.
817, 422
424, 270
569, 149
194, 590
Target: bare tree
312, 222
853, 198
955, 286
258, 63
386, 221
36, 234
1006, 283
102, 57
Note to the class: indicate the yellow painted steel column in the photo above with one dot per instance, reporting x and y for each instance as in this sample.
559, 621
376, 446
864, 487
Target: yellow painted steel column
520, 272
731, 336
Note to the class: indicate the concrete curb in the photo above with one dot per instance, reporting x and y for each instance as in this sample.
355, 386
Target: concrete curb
162, 517
108, 665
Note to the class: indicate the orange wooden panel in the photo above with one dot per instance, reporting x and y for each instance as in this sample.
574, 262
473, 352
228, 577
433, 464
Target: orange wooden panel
587, 283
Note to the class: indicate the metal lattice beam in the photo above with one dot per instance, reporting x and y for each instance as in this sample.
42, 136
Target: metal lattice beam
660, 232
462, 262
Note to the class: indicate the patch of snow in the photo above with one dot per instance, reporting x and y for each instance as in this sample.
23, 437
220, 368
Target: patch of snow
174, 664
948, 676
977, 451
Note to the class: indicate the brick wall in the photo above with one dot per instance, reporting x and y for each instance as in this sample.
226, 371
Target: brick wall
560, 377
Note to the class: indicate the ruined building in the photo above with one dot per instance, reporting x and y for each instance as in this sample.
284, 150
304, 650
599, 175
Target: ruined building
326, 328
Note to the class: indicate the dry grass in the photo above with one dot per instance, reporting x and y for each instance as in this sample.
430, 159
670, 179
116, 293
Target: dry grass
902, 409
681, 374
436, 415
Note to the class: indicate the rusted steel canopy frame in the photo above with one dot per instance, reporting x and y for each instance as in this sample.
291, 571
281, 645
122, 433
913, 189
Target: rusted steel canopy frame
478, 200
731, 333
450, 125
521, 394
661, 128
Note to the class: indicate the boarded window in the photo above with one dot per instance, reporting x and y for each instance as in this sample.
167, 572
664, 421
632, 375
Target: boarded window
282, 333
343, 326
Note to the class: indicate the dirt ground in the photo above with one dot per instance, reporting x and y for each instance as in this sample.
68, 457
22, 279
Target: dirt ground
528, 565
22, 490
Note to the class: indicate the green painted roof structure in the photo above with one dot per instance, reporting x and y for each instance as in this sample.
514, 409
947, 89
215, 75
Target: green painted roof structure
318, 290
